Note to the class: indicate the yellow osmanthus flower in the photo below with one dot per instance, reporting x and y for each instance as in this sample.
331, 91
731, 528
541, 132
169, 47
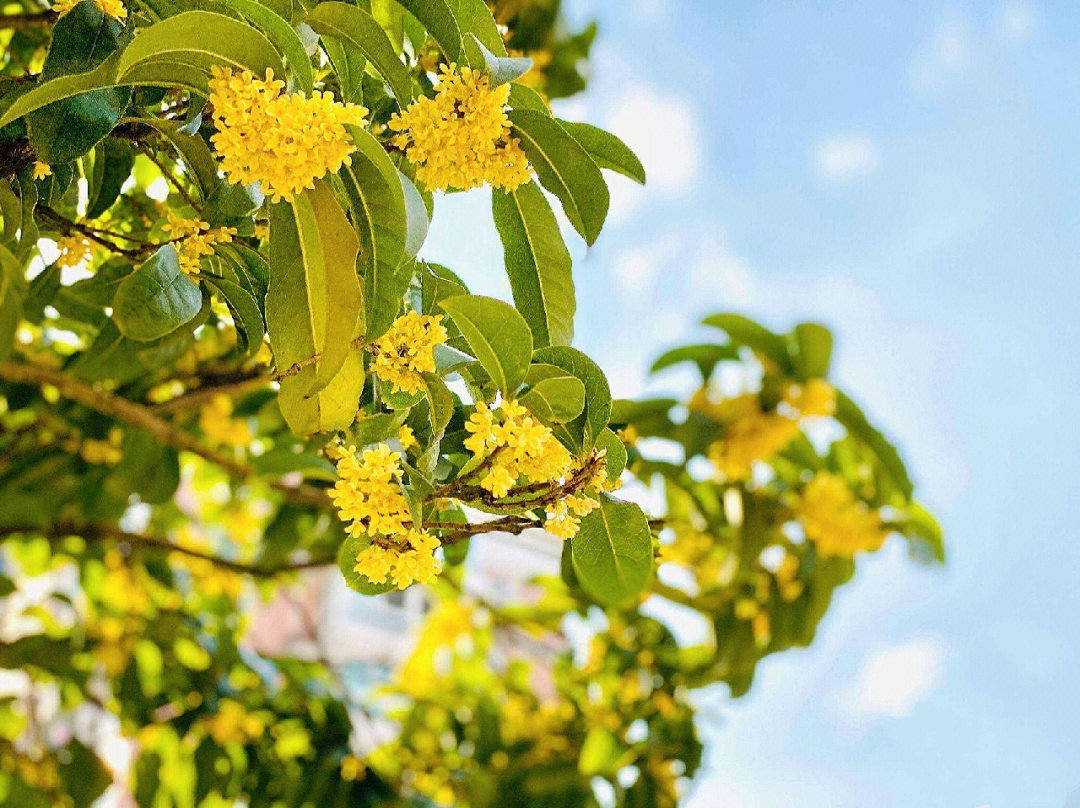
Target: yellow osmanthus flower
217, 423
751, 434
194, 239
111, 8
406, 351
836, 521
74, 250
461, 137
42, 170
232, 723
369, 499
813, 398
284, 142
406, 437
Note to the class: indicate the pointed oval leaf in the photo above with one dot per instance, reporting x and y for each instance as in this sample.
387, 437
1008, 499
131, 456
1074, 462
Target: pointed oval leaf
499, 69
606, 150
537, 263
281, 34
438, 19
612, 551
556, 400
588, 425
498, 336
156, 299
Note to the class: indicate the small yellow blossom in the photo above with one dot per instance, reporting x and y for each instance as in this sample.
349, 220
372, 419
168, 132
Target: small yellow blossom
232, 723
284, 142
194, 239
751, 434
836, 521
111, 8
74, 250
461, 137
406, 437
813, 398
352, 768
406, 351
217, 423
42, 170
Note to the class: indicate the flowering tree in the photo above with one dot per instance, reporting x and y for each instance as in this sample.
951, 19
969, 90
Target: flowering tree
224, 361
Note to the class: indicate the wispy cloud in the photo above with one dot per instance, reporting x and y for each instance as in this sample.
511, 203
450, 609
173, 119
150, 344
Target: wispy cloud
844, 157
895, 679
944, 58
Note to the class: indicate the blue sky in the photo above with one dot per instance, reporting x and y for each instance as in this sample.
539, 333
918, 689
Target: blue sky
909, 174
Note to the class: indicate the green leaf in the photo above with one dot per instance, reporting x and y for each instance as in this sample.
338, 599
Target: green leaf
416, 217
592, 422
606, 149
377, 199
245, 310
853, 419
499, 69
924, 533
705, 356
744, 331
12, 293
499, 337
612, 552
599, 752
349, 63
48, 92
113, 162
81, 41
565, 169
202, 38
347, 553
474, 17
614, 454
296, 319
329, 246
438, 19
281, 34
556, 400
813, 350
156, 299
537, 263
522, 97
357, 27
436, 284
440, 411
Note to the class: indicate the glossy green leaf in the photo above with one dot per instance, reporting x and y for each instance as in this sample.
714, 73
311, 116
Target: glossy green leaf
614, 454
537, 263
296, 318
556, 400
498, 336
498, 69
612, 551
156, 299
245, 310
48, 92
744, 331
196, 155
281, 34
564, 168
113, 162
606, 149
359, 28
853, 419
597, 392
437, 17
522, 97
705, 356
12, 293
474, 17
205, 37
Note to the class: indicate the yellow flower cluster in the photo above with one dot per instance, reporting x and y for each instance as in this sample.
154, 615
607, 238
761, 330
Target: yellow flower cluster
369, 498
836, 521
284, 142
104, 452
406, 350
752, 434
217, 423
74, 250
194, 239
522, 447
232, 723
42, 170
111, 8
461, 137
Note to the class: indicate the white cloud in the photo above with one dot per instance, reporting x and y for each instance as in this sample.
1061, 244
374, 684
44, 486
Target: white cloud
1017, 22
843, 157
944, 58
894, 679
663, 129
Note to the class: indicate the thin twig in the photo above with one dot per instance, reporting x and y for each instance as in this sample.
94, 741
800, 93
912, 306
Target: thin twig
20, 22
142, 147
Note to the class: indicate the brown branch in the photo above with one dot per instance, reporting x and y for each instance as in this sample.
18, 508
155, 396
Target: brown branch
202, 395
94, 531
175, 183
67, 227
136, 415
20, 22
359, 343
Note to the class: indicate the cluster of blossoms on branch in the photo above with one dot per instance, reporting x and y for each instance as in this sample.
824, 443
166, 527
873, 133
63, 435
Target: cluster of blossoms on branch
461, 137
194, 239
283, 141
406, 351
369, 497
837, 521
112, 8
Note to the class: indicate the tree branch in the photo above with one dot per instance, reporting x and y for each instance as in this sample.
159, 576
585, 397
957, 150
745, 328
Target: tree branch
20, 22
201, 396
136, 415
